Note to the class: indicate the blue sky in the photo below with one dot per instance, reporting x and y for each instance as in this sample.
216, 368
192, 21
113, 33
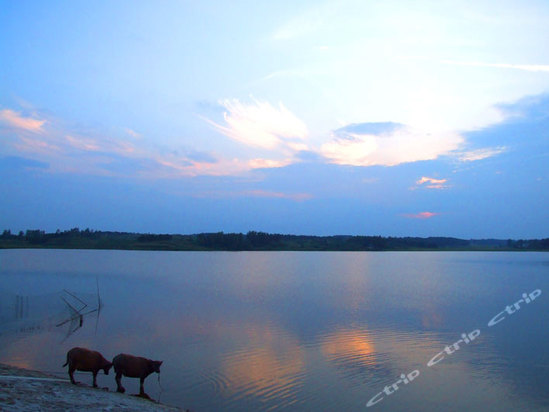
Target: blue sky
398, 118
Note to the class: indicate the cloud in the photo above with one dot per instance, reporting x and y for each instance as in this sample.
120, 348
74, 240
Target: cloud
173, 166
69, 149
525, 67
268, 164
16, 120
421, 69
60, 142
480, 154
188, 165
37, 145
387, 144
259, 124
421, 215
431, 183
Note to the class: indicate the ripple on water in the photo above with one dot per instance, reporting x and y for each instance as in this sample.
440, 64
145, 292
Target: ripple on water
268, 368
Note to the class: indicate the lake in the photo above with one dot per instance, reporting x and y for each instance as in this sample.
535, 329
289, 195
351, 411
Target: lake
315, 331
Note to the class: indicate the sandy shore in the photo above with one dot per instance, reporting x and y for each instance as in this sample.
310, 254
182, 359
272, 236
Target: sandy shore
27, 390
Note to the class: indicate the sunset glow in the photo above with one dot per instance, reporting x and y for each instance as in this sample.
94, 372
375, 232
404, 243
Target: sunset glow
333, 118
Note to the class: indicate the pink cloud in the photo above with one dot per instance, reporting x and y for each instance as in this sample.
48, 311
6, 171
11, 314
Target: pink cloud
432, 183
421, 215
15, 119
58, 143
37, 146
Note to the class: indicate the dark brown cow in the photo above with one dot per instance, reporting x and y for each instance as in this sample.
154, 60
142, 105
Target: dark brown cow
86, 360
134, 367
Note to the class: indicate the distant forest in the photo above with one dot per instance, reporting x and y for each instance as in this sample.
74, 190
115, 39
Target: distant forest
93, 239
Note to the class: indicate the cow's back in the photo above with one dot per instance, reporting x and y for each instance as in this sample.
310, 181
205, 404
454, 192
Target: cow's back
85, 360
131, 366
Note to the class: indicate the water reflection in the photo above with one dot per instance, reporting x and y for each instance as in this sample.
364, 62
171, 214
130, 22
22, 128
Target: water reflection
270, 365
63, 312
307, 331
349, 347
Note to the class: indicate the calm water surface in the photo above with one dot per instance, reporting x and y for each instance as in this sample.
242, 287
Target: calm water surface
293, 331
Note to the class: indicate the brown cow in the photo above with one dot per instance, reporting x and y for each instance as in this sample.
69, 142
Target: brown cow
86, 360
134, 367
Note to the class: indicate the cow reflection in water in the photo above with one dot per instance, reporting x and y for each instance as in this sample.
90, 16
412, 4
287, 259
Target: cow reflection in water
134, 367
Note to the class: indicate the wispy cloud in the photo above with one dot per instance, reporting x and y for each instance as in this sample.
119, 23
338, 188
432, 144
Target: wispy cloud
421, 215
259, 124
525, 67
18, 121
395, 146
37, 145
268, 164
480, 154
431, 183
177, 165
69, 149
181, 165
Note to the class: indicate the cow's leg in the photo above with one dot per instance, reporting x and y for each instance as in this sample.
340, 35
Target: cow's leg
95, 379
141, 389
71, 371
119, 387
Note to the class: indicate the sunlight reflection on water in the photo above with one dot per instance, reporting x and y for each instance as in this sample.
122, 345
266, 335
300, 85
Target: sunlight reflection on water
307, 331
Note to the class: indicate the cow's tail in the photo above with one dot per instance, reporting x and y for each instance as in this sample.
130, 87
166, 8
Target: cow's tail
67, 362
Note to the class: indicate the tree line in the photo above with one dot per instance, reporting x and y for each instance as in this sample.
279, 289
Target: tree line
76, 238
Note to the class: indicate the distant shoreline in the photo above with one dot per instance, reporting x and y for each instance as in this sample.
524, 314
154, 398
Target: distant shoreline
254, 241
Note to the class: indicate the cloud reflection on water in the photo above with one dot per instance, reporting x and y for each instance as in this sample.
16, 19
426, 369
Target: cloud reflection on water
270, 364
249, 331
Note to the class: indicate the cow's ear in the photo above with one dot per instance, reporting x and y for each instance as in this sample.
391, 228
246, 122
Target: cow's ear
160, 362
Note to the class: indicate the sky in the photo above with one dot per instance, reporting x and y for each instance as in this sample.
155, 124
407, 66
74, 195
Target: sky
392, 118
